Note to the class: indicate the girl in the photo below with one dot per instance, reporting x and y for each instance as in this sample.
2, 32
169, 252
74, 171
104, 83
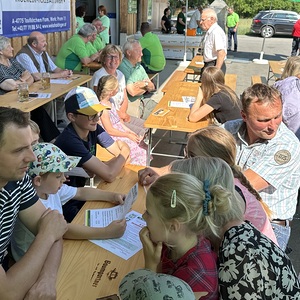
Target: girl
107, 88
249, 264
172, 240
215, 99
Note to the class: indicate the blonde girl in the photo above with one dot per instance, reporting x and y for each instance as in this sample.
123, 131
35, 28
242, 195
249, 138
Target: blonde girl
172, 240
107, 88
215, 99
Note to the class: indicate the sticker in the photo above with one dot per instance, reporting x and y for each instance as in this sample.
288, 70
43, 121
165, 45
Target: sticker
282, 157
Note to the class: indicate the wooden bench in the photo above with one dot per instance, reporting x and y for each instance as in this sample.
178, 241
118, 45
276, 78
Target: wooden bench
258, 79
153, 76
103, 154
230, 80
177, 76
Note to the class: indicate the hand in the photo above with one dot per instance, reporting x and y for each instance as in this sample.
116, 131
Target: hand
125, 150
42, 290
134, 137
124, 116
116, 229
147, 176
53, 224
152, 252
118, 198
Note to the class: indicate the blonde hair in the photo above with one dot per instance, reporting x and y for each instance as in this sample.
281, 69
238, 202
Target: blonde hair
292, 67
214, 141
34, 127
106, 85
110, 49
213, 81
192, 186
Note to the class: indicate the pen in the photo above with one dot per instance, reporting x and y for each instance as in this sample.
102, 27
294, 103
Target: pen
74, 78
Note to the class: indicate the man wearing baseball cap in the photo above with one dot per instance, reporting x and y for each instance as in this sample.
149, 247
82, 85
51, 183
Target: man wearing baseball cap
80, 137
47, 175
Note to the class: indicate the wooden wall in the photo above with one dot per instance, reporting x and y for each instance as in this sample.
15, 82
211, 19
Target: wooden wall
54, 40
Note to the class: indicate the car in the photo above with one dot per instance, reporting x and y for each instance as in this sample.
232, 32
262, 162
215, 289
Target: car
270, 22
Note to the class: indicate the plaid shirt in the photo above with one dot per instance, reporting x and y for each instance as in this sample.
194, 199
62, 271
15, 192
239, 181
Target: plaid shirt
197, 267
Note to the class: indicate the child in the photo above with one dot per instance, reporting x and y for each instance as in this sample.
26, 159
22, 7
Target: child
172, 241
35, 131
107, 88
47, 174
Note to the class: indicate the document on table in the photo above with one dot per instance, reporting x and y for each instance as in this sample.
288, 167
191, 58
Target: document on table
43, 95
60, 81
189, 99
178, 104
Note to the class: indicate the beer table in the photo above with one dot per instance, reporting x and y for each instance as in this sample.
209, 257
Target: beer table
10, 99
88, 271
275, 69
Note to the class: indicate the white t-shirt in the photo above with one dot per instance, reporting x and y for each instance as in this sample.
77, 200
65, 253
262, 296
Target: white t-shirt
196, 16
22, 237
119, 97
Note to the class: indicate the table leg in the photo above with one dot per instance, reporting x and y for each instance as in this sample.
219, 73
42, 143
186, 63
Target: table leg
149, 147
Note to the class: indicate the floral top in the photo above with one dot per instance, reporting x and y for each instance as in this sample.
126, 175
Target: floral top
252, 267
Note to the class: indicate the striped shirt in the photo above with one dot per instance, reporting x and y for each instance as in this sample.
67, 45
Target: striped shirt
14, 196
14, 71
277, 161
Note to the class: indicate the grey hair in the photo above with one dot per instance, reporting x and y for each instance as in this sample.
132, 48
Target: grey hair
4, 42
128, 46
87, 30
211, 13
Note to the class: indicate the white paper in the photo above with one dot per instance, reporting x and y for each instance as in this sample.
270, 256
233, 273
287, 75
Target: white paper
60, 81
43, 95
188, 99
199, 63
178, 104
77, 171
129, 244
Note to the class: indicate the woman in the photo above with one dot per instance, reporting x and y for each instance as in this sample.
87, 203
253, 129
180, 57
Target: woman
80, 14
215, 99
166, 26
11, 72
105, 23
110, 58
289, 86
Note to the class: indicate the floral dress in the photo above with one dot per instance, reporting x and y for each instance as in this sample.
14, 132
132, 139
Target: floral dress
252, 267
138, 155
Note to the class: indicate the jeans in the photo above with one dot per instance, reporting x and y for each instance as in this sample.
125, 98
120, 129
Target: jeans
295, 45
232, 34
282, 234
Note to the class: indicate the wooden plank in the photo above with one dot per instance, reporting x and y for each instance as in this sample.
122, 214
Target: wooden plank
230, 80
177, 76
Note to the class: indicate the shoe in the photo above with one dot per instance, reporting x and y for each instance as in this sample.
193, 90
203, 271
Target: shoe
228, 49
234, 50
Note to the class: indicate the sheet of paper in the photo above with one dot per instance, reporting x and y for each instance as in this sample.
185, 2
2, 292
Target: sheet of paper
129, 244
60, 81
178, 104
77, 171
103, 217
43, 95
188, 99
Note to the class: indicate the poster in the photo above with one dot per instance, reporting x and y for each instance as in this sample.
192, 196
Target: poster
21, 17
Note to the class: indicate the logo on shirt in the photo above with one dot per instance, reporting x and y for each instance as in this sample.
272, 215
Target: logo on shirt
282, 157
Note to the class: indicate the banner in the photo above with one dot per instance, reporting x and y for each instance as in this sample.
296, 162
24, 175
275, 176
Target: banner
21, 17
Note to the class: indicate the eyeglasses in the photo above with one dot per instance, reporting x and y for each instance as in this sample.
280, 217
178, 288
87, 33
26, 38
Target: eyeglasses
112, 57
93, 117
203, 20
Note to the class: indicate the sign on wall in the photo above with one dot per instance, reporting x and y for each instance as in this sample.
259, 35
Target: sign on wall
21, 17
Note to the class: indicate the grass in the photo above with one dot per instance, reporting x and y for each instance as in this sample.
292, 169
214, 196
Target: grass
244, 26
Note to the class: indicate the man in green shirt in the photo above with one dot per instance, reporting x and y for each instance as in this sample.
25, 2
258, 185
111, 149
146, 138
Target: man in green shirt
232, 25
180, 25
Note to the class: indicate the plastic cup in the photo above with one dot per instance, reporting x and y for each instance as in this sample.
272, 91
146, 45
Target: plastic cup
172, 121
23, 93
45, 80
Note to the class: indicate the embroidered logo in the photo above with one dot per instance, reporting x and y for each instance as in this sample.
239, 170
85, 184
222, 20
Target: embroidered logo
282, 157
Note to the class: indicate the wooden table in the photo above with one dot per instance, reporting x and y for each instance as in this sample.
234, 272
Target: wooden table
11, 99
175, 93
88, 271
275, 69
194, 68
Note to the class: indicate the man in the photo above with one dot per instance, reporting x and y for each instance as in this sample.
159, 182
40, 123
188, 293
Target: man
232, 26
96, 43
153, 59
34, 276
296, 38
180, 24
34, 58
269, 154
214, 52
195, 19
137, 80
73, 52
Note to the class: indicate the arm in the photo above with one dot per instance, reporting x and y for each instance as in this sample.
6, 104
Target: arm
9, 85
149, 175
122, 112
140, 87
162, 23
256, 181
197, 111
26, 77
49, 227
180, 20
114, 230
86, 60
220, 58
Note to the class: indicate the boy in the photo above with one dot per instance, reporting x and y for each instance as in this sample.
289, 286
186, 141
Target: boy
47, 174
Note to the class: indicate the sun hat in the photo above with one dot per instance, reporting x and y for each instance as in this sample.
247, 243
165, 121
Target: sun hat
50, 159
146, 284
83, 100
